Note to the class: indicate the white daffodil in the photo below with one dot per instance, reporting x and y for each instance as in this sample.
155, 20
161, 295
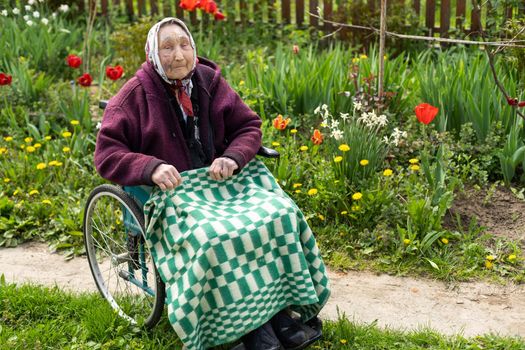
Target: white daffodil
28, 8
30, 23
337, 134
358, 106
344, 116
36, 14
4, 12
64, 8
31, 2
45, 21
16, 11
26, 18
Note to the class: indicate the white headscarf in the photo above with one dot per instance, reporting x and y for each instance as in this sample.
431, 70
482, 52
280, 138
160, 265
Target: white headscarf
152, 50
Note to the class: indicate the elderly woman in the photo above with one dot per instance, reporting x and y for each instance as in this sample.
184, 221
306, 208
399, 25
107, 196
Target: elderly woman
176, 114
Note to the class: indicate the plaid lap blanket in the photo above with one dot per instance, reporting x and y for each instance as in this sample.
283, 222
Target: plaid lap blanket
232, 254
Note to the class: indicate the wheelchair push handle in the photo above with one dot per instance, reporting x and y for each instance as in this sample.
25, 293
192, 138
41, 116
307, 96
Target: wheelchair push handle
263, 151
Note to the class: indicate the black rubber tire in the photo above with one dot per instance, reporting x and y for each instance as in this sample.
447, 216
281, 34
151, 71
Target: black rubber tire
120, 195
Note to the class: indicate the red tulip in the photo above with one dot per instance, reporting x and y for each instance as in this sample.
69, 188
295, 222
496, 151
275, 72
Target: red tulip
85, 79
114, 73
280, 123
295, 49
208, 6
521, 104
189, 5
219, 16
317, 137
74, 61
5, 79
425, 113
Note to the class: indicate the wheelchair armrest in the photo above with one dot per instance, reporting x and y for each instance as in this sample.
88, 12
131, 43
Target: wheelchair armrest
102, 104
268, 152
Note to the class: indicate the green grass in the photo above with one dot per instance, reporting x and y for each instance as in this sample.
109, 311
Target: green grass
33, 317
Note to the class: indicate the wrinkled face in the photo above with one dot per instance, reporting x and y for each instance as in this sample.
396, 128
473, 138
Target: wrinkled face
175, 51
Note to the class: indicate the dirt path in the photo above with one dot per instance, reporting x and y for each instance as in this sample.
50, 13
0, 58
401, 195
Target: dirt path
396, 302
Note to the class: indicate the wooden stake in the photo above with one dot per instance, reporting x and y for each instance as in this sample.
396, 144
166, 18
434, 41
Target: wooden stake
382, 32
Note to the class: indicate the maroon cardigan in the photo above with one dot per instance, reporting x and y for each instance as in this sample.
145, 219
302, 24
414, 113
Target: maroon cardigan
140, 131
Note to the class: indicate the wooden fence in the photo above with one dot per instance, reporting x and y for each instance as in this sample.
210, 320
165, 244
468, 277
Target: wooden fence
439, 17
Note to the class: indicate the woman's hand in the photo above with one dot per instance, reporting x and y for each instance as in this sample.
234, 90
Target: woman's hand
166, 177
222, 168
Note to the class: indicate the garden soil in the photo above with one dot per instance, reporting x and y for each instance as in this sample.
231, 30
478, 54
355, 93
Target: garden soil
395, 302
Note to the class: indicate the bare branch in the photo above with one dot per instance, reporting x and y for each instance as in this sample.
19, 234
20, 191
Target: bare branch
425, 38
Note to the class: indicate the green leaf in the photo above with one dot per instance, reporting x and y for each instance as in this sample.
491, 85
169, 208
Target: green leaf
433, 264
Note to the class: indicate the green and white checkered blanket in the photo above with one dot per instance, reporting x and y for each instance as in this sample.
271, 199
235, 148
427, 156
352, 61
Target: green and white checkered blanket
232, 253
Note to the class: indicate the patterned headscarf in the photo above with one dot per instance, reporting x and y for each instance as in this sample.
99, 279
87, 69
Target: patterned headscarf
152, 50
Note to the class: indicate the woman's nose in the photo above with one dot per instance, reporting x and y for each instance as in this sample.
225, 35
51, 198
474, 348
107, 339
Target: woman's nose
178, 54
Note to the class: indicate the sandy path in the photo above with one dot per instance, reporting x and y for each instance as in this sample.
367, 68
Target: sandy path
397, 302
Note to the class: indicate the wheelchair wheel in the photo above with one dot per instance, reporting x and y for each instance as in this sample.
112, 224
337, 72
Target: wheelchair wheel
120, 261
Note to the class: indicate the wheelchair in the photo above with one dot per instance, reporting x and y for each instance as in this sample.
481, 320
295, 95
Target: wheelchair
119, 258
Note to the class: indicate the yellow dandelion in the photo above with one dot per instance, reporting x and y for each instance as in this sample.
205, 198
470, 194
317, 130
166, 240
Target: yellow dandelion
387, 172
66, 134
338, 159
37, 145
46, 201
41, 166
512, 257
355, 208
303, 148
357, 196
363, 57
293, 131
66, 149
296, 185
355, 60
344, 212
241, 83
413, 161
363, 162
312, 191
22, 146
28, 139
52, 163
444, 240
33, 192
489, 264
490, 257
74, 122
47, 138
6, 179
298, 191
343, 341
321, 217
406, 241
275, 144
58, 164
16, 192
3, 150
8, 138
344, 147
414, 167
30, 149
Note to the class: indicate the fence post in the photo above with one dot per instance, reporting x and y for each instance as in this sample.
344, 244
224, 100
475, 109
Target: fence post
444, 24
460, 14
285, 11
475, 18
430, 17
299, 13
314, 22
327, 15
154, 7
129, 9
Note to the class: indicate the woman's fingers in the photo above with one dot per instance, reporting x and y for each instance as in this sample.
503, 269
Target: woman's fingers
222, 168
166, 177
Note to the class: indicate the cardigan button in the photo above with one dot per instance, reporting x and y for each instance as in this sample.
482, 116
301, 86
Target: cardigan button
173, 134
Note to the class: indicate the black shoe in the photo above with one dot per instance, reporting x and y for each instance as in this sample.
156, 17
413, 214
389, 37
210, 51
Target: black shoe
262, 338
316, 324
288, 331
